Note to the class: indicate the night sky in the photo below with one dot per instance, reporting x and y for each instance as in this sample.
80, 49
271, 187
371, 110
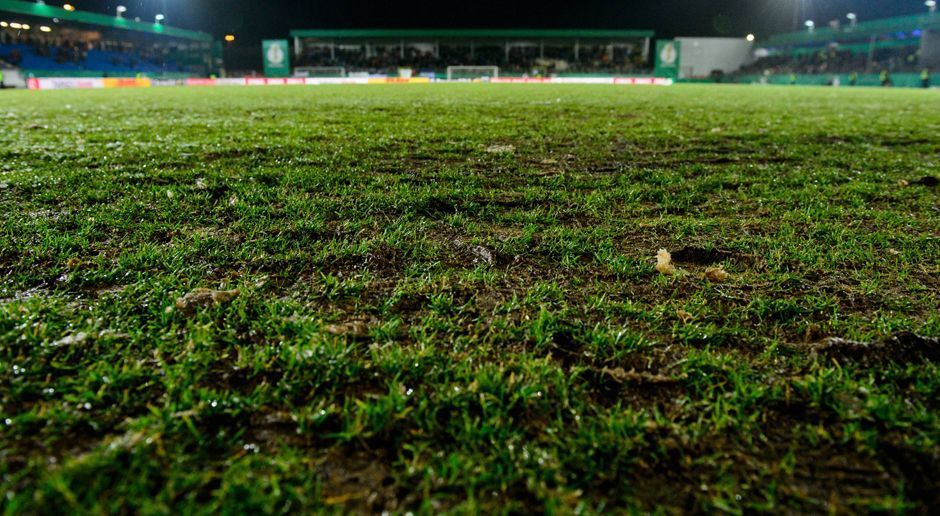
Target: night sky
252, 20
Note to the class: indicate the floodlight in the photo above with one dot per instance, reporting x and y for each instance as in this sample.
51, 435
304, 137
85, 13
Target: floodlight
750, 37
120, 10
4, 24
68, 7
159, 18
810, 25
25, 26
853, 20
15, 25
931, 5
230, 37
45, 28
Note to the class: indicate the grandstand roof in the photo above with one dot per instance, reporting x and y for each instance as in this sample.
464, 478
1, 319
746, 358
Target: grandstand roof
566, 34
864, 29
102, 20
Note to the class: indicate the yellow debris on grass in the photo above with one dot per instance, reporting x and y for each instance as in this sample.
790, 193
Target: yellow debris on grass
717, 274
664, 263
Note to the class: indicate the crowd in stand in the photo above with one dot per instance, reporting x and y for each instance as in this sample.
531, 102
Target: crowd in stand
528, 59
123, 54
834, 60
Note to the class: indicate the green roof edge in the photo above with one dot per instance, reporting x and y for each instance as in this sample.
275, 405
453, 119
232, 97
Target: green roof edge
49, 11
862, 29
469, 33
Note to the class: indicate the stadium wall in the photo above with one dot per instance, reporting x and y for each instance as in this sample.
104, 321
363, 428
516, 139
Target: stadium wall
699, 57
930, 49
12, 78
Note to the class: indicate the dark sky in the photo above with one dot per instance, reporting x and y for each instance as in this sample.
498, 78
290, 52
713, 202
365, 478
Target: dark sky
252, 20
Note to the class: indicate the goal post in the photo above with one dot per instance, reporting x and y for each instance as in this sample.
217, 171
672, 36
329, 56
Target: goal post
319, 71
472, 72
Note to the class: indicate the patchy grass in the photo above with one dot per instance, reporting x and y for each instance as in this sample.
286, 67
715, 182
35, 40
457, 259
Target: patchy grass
446, 299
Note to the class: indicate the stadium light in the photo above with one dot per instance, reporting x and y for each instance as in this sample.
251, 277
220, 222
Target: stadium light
931, 5
230, 37
750, 37
120, 10
68, 7
25, 26
15, 25
810, 26
4, 24
45, 28
159, 18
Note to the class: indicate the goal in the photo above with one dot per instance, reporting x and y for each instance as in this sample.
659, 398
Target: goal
319, 71
456, 73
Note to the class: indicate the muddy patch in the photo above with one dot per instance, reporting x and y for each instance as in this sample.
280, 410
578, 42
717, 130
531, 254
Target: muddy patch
705, 257
902, 348
357, 481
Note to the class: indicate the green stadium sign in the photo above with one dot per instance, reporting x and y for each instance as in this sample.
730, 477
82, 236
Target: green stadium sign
667, 59
276, 58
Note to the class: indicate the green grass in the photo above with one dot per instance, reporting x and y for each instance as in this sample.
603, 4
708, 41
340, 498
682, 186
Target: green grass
426, 325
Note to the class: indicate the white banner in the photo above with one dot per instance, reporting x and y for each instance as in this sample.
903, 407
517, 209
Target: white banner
313, 81
64, 83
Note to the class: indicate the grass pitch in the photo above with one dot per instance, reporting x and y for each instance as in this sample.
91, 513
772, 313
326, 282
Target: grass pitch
446, 299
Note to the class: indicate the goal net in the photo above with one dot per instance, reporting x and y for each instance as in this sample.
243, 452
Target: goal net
319, 71
456, 73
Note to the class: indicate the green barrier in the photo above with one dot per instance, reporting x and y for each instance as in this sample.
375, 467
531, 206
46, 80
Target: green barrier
701, 80
898, 80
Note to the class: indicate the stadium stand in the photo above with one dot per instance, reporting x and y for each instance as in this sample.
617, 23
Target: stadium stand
47, 41
515, 52
833, 59
902, 46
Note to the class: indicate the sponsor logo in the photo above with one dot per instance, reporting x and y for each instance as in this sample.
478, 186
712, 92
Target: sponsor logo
275, 55
668, 54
